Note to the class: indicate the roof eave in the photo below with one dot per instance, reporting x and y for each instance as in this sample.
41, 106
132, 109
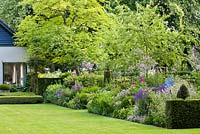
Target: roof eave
7, 27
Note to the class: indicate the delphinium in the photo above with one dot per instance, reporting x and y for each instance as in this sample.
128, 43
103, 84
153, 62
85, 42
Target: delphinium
168, 83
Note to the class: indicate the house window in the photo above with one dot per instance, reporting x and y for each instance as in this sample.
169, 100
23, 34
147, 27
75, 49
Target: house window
14, 73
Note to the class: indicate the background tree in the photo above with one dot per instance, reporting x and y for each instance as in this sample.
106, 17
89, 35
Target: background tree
144, 34
63, 31
12, 13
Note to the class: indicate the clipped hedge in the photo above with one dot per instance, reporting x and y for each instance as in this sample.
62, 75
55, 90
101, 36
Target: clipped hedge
5, 87
183, 114
20, 99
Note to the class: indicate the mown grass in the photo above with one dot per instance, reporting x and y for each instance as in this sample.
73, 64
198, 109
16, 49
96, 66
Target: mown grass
52, 119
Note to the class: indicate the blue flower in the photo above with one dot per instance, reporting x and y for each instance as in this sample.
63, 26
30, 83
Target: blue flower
169, 82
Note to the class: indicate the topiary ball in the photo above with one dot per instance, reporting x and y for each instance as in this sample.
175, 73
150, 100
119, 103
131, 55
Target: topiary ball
183, 92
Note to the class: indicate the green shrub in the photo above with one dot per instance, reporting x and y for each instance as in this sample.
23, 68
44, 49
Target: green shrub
43, 83
60, 95
101, 104
69, 81
120, 113
86, 80
70, 92
108, 87
183, 113
83, 98
79, 101
13, 88
75, 103
92, 89
99, 80
89, 80
50, 92
183, 92
124, 82
127, 101
155, 80
156, 109
5, 87
20, 99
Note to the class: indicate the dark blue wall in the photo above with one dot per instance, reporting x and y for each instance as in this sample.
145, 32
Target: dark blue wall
5, 37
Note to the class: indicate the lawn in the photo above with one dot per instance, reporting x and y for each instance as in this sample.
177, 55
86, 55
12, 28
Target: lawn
52, 119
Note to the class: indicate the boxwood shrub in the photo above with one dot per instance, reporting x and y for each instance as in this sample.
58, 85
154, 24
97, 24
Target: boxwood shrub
5, 87
20, 99
183, 113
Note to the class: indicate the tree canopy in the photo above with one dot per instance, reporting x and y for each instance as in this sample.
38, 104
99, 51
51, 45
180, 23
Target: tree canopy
121, 33
144, 36
63, 31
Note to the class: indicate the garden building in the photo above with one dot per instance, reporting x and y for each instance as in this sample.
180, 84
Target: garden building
12, 59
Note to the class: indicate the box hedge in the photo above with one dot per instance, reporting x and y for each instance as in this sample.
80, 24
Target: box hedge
20, 99
183, 114
5, 87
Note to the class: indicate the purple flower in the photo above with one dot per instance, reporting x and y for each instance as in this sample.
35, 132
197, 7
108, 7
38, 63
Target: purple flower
162, 88
141, 94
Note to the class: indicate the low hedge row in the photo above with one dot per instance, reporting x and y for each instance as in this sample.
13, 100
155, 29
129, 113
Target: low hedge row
20, 99
183, 114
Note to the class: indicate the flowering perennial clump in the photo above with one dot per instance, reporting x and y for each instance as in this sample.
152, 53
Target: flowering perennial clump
143, 93
76, 86
123, 93
59, 93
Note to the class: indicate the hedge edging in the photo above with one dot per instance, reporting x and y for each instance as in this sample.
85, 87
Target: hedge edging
183, 114
20, 99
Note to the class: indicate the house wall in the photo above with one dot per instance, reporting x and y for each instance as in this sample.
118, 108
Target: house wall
11, 54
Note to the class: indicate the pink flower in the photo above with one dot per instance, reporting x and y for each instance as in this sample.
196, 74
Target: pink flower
142, 80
